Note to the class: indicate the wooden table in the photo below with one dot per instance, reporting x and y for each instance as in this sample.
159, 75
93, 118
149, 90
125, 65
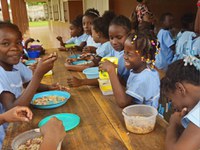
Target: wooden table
102, 125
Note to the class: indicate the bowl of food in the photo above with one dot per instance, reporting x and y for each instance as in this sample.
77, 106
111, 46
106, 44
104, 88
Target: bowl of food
30, 140
91, 73
34, 54
140, 119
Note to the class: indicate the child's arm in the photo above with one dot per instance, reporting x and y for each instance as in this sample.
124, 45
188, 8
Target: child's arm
53, 133
16, 114
119, 92
78, 67
89, 49
8, 99
76, 82
59, 38
188, 140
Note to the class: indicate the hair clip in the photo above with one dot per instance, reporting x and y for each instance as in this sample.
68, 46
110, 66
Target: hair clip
192, 60
94, 13
134, 38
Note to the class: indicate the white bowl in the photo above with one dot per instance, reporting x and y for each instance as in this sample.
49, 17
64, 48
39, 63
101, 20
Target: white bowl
25, 136
140, 119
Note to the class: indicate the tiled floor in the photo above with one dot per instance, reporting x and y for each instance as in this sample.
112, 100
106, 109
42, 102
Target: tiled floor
47, 34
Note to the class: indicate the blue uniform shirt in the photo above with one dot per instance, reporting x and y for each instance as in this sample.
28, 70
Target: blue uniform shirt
183, 44
77, 40
123, 72
91, 42
12, 81
105, 50
144, 87
192, 117
165, 56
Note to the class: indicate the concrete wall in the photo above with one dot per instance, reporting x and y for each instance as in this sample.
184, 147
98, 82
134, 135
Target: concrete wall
158, 7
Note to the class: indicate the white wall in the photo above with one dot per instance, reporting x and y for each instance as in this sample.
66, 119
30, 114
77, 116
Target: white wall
100, 5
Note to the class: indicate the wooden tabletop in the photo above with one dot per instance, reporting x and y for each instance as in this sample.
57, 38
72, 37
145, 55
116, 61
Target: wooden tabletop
102, 124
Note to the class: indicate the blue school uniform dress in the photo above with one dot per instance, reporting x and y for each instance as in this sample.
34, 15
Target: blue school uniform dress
183, 43
12, 81
192, 117
105, 50
144, 87
195, 47
91, 42
165, 56
77, 40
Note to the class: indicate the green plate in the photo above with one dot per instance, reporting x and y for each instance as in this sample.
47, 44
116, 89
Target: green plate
69, 121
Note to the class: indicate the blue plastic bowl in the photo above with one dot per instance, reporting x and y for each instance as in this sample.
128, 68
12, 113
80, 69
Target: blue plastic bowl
34, 54
91, 73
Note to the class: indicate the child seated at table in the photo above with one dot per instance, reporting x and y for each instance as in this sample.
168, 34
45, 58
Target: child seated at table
14, 75
100, 35
48, 131
187, 39
182, 86
119, 29
77, 36
88, 17
167, 45
143, 85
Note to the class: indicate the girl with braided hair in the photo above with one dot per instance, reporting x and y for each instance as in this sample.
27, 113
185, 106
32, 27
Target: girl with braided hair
143, 85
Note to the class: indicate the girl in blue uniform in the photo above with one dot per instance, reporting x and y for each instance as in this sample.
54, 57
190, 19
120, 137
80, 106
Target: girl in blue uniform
143, 85
182, 86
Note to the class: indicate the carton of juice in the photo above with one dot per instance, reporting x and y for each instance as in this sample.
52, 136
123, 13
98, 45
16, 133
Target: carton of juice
103, 74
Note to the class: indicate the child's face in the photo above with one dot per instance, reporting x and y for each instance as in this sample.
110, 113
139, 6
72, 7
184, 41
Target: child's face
117, 35
10, 47
181, 97
95, 35
169, 21
131, 57
74, 31
87, 23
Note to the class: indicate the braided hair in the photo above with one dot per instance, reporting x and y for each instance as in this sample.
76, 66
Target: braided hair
147, 46
178, 72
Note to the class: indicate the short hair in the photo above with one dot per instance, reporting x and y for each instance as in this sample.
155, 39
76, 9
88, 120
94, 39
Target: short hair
91, 12
122, 21
7, 24
163, 16
101, 24
178, 72
187, 19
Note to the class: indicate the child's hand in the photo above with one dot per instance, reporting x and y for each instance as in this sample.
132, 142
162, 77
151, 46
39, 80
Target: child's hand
18, 113
70, 60
53, 129
87, 49
74, 82
62, 48
45, 64
57, 86
176, 117
107, 66
83, 44
59, 38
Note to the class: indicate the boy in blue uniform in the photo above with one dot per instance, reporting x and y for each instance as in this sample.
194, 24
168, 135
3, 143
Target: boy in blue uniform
167, 45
